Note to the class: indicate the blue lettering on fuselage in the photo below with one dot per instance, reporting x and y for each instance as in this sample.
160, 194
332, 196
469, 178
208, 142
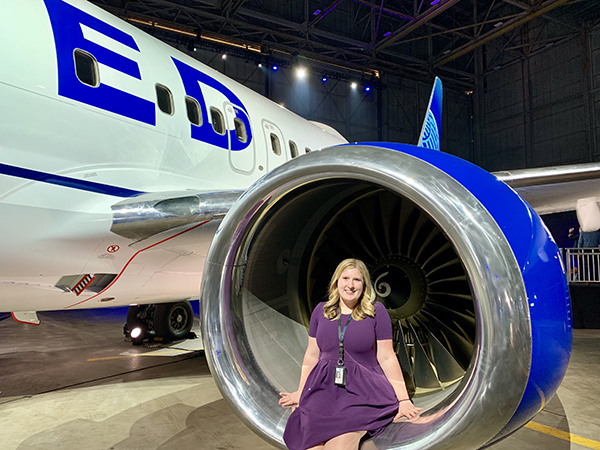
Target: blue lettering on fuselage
67, 22
191, 78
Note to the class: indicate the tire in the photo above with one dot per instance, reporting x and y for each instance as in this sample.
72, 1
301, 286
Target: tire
173, 320
132, 318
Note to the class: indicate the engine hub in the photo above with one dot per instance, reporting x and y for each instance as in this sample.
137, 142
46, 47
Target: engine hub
400, 284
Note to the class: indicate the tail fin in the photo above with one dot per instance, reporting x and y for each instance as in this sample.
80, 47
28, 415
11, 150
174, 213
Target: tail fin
432, 125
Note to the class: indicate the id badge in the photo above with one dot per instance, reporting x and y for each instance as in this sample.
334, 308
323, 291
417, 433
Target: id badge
340, 376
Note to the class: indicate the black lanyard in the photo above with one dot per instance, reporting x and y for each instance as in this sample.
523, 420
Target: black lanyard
341, 334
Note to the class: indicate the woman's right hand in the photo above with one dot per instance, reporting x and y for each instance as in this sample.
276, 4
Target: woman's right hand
289, 399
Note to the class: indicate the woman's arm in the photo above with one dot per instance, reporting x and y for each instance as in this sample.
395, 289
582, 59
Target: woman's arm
311, 356
386, 357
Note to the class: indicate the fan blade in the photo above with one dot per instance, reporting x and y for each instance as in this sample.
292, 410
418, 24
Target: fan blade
425, 376
446, 366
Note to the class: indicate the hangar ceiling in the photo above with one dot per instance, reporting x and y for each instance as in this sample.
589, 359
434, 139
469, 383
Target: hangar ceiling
455, 39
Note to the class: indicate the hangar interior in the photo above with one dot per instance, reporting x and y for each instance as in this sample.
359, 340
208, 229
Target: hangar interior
520, 77
521, 90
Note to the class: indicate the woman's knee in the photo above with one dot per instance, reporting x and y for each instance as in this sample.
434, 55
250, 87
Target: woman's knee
345, 441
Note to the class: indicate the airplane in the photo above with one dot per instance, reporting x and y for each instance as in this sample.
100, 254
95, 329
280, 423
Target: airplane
132, 174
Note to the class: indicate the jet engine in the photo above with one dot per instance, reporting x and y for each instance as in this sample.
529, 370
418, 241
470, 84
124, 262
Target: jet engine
472, 280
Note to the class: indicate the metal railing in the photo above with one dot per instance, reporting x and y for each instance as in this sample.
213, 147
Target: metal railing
582, 264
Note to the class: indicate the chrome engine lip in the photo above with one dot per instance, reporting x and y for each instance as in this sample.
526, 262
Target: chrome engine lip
491, 389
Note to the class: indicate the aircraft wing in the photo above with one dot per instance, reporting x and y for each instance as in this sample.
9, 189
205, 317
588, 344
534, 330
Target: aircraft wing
554, 189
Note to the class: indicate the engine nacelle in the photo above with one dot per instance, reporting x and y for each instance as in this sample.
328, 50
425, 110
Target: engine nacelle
470, 275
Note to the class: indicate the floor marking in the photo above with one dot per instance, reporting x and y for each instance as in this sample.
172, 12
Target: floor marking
589, 443
163, 353
112, 357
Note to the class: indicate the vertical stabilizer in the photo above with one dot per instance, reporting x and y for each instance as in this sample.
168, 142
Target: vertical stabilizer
431, 132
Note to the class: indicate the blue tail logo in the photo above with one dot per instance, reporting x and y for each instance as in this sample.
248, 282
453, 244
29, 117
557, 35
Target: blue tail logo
432, 125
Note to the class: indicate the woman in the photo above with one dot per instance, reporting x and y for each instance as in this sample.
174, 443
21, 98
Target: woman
345, 394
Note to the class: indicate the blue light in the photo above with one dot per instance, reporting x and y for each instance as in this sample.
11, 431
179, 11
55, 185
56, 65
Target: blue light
324, 79
275, 68
367, 88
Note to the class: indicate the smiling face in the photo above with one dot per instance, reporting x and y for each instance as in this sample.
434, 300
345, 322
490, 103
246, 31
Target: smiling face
350, 287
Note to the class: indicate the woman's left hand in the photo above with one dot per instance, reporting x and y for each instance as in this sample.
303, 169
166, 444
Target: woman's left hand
407, 412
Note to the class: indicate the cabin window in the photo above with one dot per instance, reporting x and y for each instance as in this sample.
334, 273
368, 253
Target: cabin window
307, 150
293, 149
164, 98
193, 111
218, 123
275, 144
86, 68
240, 130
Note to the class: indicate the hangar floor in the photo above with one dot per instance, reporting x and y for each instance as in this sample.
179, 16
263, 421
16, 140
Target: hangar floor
73, 382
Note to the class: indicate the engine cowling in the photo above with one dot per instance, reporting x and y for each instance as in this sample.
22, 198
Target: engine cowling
470, 275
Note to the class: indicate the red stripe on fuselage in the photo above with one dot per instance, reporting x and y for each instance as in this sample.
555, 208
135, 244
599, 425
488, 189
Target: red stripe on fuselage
131, 259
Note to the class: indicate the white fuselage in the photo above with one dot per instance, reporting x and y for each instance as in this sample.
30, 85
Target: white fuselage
67, 154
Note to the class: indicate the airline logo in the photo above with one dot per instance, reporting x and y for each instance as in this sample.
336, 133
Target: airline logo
431, 137
72, 29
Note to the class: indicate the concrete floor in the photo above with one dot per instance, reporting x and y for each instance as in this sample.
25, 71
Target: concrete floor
73, 382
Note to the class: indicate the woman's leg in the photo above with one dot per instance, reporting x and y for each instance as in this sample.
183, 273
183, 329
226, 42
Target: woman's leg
346, 441
317, 447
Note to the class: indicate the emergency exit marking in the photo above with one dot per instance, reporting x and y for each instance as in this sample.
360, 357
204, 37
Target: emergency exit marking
113, 248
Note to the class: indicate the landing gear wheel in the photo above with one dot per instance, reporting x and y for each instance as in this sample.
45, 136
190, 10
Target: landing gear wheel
173, 320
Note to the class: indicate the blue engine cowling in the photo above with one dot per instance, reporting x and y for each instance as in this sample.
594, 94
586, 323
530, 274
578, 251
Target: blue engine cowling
483, 332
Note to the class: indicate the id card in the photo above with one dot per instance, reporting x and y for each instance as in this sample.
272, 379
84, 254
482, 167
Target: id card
340, 376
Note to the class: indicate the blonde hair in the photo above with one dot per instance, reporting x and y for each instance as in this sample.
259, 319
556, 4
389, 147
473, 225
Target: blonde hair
365, 306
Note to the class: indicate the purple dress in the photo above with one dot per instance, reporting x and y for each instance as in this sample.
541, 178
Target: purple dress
368, 401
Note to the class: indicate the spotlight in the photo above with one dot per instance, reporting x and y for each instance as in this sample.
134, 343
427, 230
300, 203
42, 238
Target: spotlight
354, 85
136, 332
137, 335
275, 68
259, 65
324, 79
301, 72
367, 88
224, 56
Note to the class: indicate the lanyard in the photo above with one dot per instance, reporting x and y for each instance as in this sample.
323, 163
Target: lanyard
341, 334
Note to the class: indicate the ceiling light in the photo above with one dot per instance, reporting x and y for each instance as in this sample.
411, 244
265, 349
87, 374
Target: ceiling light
354, 85
301, 72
